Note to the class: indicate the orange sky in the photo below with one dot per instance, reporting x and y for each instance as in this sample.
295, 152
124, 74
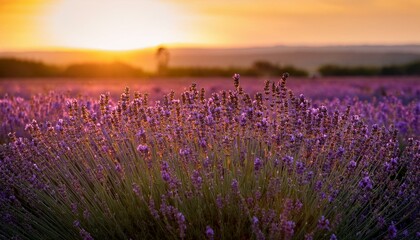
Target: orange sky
130, 24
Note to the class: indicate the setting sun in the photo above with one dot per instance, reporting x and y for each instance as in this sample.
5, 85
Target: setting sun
105, 26
135, 24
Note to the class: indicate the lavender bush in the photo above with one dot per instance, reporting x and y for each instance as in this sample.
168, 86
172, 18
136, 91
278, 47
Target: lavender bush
232, 166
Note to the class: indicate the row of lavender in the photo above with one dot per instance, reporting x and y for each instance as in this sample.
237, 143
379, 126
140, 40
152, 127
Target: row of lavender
17, 112
275, 166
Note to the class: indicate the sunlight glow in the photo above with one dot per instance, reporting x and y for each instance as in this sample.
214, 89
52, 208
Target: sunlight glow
102, 24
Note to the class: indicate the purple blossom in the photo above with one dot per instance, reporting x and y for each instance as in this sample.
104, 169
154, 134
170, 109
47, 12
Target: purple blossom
381, 221
289, 228
257, 164
184, 151
298, 205
166, 176
209, 233
136, 189
85, 235
143, 148
219, 202
203, 142
152, 209
196, 179
73, 208
76, 223
255, 220
141, 133
392, 231
323, 223
318, 185
236, 77
235, 186
86, 214
255, 228
182, 224
165, 166
288, 160
366, 183
300, 167
352, 165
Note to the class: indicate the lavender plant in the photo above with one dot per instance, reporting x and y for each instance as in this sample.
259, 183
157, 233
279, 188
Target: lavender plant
230, 166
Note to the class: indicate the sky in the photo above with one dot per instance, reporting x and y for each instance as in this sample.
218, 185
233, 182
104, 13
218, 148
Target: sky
134, 24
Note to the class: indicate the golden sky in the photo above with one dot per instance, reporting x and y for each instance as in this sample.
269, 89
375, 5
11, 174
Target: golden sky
131, 24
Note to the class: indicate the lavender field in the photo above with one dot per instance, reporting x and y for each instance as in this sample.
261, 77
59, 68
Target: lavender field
240, 158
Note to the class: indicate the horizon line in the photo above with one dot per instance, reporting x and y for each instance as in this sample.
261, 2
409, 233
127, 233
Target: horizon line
204, 46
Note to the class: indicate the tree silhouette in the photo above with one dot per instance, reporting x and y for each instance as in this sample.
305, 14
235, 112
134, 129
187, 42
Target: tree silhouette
162, 55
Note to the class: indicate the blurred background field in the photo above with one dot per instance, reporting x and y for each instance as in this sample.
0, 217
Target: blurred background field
406, 88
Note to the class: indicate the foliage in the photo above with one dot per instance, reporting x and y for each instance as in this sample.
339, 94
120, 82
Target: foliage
412, 68
115, 69
333, 70
26, 68
264, 68
10, 67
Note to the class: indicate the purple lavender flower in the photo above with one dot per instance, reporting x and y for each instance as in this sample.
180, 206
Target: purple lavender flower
257, 164
152, 209
235, 186
136, 189
165, 166
300, 167
142, 148
255, 220
181, 224
141, 133
289, 228
366, 183
73, 207
76, 223
209, 233
323, 223
196, 179
381, 221
85, 234
298, 205
86, 214
202, 142
236, 77
166, 176
185, 151
219, 202
352, 165
276, 162
309, 236
210, 120
318, 185
288, 160
255, 228
392, 231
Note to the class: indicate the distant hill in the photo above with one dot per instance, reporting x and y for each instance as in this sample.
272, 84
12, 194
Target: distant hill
307, 57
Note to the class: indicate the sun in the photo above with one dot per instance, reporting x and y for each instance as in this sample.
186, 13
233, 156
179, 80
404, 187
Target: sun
114, 25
